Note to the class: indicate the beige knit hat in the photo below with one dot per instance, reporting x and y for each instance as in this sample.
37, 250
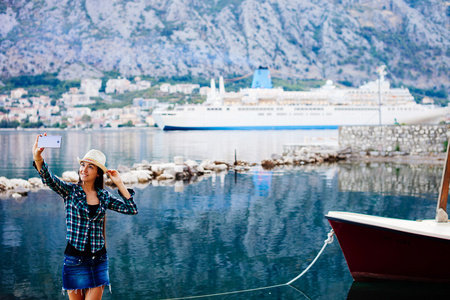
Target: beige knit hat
95, 157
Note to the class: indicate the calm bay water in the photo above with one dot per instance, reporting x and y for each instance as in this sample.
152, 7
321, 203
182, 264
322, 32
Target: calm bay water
224, 233
128, 146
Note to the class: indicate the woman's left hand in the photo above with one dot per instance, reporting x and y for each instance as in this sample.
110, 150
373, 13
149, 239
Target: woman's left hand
115, 176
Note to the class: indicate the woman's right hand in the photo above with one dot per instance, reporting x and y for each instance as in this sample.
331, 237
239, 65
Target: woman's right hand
37, 152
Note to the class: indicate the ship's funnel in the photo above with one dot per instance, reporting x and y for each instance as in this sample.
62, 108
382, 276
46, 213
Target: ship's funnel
221, 86
213, 86
261, 79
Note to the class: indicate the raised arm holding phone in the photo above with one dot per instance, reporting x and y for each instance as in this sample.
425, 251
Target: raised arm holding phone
85, 269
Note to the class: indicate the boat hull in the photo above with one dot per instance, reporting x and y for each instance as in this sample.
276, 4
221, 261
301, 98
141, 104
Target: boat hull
378, 253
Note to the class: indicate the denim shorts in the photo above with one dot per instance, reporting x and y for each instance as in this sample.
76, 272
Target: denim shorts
81, 272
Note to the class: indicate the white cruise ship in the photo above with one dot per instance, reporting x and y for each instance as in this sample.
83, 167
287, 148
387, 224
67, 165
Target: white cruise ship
263, 107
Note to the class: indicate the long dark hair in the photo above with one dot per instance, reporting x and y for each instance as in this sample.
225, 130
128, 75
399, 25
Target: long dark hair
99, 182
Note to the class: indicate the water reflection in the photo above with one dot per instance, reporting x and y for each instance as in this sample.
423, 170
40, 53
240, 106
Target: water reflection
262, 180
390, 178
217, 235
227, 232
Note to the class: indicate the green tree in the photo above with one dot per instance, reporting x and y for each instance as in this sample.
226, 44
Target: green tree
9, 124
127, 124
86, 119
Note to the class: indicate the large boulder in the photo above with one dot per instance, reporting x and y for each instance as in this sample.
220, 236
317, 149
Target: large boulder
36, 182
165, 176
20, 183
207, 165
128, 178
5, 184
70, 176
220, 168
142, 176
191, 163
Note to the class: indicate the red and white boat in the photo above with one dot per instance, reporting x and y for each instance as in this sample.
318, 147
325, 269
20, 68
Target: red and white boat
393, 249
379, 248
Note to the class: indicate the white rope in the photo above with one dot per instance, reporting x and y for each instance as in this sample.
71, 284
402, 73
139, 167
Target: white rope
229, 293
328, 241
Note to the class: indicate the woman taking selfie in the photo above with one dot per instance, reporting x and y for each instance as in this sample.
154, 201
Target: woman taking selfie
85, 269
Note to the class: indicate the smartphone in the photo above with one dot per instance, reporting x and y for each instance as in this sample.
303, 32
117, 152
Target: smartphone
49, 141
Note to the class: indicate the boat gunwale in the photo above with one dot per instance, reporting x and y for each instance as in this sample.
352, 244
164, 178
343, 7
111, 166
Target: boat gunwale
367, 221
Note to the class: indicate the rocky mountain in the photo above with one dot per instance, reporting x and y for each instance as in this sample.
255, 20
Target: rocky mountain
342, 40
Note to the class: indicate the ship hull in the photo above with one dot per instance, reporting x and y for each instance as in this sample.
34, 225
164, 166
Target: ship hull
250, 127
290, 117
378, 248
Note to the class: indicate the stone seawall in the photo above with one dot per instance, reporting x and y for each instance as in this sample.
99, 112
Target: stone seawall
389, 140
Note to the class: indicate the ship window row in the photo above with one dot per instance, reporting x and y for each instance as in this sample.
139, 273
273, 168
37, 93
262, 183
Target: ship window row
308, 108
214, 108
402, 108
356, 108
255, 108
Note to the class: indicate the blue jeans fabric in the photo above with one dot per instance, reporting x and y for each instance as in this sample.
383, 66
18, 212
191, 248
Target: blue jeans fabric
85, 272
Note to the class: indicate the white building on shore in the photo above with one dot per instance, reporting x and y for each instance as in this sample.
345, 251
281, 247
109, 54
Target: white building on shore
74, 98
90, 87
178, 88
145, 103
121, 85
18, 93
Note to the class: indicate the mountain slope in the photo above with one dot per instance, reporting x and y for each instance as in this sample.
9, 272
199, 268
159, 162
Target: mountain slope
326, 39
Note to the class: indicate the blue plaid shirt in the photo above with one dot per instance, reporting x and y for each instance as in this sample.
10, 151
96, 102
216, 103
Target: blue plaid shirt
79, 225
